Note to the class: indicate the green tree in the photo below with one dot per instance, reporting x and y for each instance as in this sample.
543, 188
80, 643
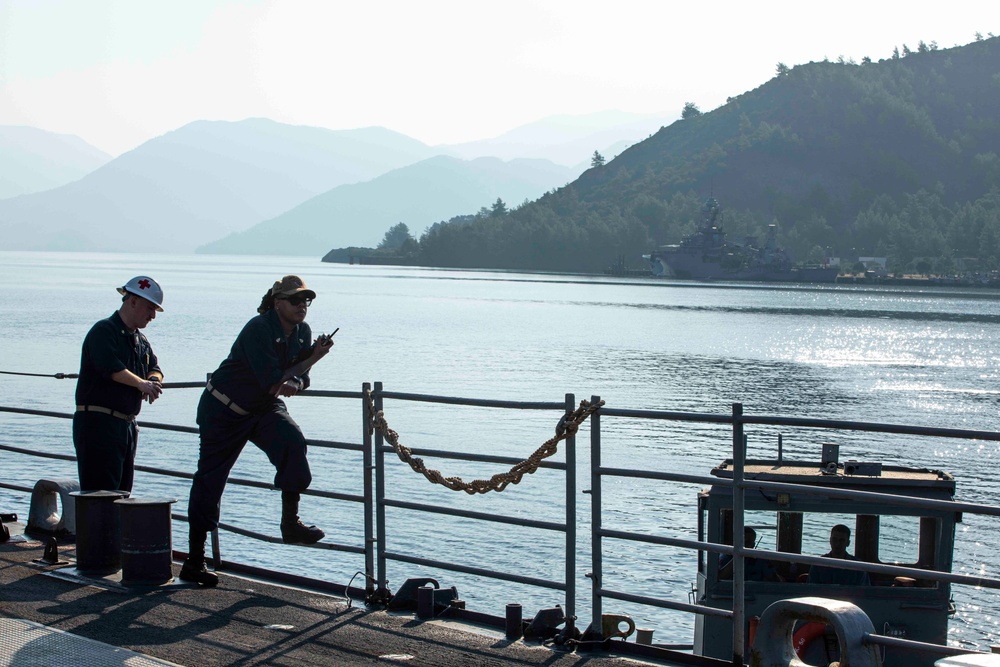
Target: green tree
498, 208
596, 160
782, 69
395, 237
691, 110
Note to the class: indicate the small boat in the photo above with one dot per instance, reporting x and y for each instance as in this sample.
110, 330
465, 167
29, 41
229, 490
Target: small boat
708, 255
898, 530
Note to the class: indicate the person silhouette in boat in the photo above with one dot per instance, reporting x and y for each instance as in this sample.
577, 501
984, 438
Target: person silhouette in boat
840, 539
754, 569
242, 403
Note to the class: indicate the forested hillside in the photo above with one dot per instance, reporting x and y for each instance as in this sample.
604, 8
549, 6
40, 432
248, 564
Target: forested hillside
896, 158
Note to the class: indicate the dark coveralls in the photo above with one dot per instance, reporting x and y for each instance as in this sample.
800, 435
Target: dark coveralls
257, 362
821, 574
105, 434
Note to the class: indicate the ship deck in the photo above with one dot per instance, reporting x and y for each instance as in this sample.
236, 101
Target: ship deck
47, 612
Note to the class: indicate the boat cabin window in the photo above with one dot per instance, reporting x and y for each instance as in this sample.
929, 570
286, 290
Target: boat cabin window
908, 541
888, 538
759, 533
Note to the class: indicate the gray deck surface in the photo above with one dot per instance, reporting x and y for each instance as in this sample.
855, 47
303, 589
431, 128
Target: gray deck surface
242, 622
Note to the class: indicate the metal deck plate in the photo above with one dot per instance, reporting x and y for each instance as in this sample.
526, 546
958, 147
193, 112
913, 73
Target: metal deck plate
28, 644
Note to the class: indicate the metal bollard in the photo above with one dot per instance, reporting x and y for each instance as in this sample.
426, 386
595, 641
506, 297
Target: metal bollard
643, 636
146, 543
513, 622
425, 602
98, 532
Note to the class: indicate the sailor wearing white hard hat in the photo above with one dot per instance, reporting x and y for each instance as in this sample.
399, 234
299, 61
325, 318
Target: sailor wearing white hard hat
145, 287
118, 370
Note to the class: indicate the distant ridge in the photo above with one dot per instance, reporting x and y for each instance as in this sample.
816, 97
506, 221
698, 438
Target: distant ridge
199, 182
34, 160
419, 194
899, 158
565, 139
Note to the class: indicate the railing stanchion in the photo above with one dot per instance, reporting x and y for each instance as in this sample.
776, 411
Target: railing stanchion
383, 585
739, 562
366, 439
597, 564
216, 550
570, 525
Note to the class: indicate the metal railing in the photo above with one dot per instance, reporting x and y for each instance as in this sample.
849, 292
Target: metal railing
375, 499
568, 527
365, 500
740, 485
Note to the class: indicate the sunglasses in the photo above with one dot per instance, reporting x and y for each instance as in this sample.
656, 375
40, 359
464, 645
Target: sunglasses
298, 300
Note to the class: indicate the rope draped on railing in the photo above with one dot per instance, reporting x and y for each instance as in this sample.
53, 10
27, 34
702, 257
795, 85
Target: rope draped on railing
567, 427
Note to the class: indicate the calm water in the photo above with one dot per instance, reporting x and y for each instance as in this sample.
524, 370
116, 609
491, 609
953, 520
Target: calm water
888, 355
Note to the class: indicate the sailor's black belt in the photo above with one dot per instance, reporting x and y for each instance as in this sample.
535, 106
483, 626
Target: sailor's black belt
226, 401
106, 411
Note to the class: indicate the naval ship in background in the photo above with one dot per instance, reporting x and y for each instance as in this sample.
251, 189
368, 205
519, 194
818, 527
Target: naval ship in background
707, 255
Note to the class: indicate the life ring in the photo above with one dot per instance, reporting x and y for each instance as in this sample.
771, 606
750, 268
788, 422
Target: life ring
805, 636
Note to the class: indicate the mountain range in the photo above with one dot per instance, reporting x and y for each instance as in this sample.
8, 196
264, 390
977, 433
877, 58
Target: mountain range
35, 160
420, 194
199, 183
898, 158
211, 183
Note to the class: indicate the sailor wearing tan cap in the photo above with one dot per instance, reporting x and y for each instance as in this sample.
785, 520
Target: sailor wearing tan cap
270, 359
118, 370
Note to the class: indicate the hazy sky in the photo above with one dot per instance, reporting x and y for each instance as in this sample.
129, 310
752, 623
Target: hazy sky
119, 72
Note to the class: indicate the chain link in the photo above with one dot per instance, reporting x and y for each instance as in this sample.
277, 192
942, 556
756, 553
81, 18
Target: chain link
567, 427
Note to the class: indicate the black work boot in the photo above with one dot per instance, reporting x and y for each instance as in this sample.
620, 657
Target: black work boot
293, 531
194, 569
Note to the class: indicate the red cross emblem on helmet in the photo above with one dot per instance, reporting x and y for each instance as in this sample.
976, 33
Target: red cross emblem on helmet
143, 284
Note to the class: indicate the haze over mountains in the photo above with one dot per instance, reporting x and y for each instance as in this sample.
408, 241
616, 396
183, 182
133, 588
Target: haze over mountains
567, 140
35, 160
420, 194
212, 182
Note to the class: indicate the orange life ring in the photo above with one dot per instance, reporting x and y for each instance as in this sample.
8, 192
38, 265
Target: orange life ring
805, 635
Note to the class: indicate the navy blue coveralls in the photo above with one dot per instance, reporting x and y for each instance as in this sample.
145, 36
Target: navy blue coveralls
240, 408
105, 434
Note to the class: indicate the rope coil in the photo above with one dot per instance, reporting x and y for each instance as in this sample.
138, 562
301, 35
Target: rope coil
567, 427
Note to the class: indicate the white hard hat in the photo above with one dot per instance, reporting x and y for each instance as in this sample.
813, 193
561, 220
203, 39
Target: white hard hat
145, 287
